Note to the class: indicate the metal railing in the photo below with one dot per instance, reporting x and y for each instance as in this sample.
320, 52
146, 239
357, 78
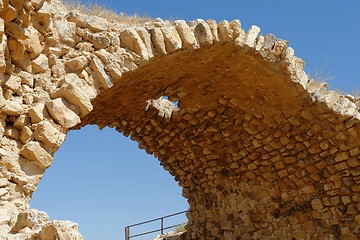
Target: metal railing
161, 229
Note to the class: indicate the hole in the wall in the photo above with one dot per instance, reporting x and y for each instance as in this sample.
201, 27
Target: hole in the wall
163, 105
103, 182
174, 103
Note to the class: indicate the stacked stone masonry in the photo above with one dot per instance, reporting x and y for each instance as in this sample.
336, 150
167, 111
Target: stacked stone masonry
260, 150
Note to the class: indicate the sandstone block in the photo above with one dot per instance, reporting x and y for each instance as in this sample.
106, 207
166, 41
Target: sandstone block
60, 230
203, 34
37, 113
24, 63
43, 16
46, 133
62, 114
12, 132
26, 78
9, 14
214, 29
158, 40
341, 156
35, 152
187, 36
130, 39
30, 218
75, 95
95, 24
14, 83
252, 34
100, 73
100, 41
25, 135
172, 39
16, 49
66, 31
77, 64
40, 64
13, 108
146, 38
15, 30
226, 33
238, 32
33, 42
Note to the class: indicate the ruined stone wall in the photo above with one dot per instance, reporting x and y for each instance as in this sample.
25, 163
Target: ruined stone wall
260, 151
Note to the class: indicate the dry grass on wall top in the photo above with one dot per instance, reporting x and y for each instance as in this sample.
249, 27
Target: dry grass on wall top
100, 10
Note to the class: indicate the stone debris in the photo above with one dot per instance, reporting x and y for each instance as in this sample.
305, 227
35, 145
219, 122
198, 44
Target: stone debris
259, 149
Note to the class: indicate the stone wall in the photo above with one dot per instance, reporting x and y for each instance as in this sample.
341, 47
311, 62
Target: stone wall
260, 151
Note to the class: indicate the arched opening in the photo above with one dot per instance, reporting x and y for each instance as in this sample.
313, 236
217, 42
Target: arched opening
102, 181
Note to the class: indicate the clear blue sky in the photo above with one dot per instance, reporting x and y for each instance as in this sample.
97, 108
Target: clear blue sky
102, 181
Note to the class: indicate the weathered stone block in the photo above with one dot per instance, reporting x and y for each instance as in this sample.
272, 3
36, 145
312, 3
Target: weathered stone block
40, 64
62, 114
130, 39
37, 153
100, 73
52, 137
203, 34
13, 107
75, 95
187, 36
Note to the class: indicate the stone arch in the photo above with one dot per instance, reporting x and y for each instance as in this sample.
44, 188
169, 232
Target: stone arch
260, 150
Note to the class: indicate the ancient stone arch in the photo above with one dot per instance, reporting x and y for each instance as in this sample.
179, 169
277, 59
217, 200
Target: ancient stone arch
260, 150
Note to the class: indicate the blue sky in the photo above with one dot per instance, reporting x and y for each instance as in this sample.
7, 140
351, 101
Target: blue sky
102, 181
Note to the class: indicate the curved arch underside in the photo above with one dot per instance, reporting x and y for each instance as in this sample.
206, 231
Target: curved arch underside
260, 151
255, 155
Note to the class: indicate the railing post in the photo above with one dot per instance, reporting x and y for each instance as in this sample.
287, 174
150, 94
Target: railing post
127, 233
162, 225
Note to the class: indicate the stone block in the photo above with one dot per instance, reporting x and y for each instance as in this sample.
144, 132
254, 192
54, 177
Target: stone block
25, 135
77, 64
66, 31
172, 39
9, 14
49, 135
226, 33
158, 40
93, 23
13, 107
76, 96
13, 82
187, 36
33, 42
40, 64
251, 36
214, 29
12, 132
62, 114
35, 152
98, 68
203, 34
130, 39
37, 113
146, 38
100, 41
